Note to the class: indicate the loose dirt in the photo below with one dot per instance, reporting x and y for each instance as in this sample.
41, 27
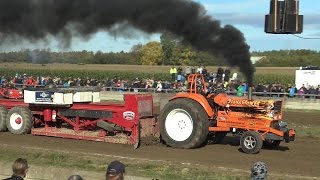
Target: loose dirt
298, 158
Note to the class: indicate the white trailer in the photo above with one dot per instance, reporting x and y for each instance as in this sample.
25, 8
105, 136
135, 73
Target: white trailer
308, 78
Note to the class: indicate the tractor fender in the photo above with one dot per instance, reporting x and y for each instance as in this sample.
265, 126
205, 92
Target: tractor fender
198, 98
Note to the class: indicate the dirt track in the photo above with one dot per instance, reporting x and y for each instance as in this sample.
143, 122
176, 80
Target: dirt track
301, 157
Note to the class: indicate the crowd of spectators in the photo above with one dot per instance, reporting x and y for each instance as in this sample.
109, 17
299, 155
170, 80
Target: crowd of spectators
116, 170
222, 79
26, 80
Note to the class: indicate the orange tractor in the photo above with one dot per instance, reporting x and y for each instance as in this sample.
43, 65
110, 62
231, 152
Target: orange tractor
190, 118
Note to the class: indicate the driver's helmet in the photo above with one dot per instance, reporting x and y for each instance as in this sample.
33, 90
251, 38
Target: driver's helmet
259, 171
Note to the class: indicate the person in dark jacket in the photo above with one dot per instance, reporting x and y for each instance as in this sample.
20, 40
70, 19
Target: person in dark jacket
115, 171
19, 169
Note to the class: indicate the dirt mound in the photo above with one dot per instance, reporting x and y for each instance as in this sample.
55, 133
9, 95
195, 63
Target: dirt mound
150, 141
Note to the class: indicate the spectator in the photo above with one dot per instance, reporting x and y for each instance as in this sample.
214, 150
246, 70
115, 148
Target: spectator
259, 171
199, 70
312, 91
179, 71
30, 81
19, 169
292, 91
193, 70
240, 90
225, 85
205, 73
234, 76
318, 92
187, 71
115, 171
66, 84
220, 73
179, 76
24, 79
260, 89
245, 87
273, 89
159, 86
75, 177
227, 75
302, 91
173, 72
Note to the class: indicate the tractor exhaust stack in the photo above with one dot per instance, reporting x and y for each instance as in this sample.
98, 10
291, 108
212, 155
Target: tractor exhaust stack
250, 93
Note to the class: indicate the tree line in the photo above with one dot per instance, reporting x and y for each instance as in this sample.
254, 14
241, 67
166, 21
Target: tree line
169, 51
288, 58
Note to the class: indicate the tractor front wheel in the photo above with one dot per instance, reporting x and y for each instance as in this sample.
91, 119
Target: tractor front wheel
184, 124
19, 120
251, 142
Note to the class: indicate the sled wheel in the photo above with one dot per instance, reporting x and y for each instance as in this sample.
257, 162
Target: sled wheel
183, 124
19, 120
251, 142
3, 116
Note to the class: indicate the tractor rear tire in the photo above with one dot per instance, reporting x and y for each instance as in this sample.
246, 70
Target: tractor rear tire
3, 116
251, 142
183, 124
19, 120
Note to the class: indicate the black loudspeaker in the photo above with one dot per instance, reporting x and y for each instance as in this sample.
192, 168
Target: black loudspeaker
276, 7
284, 17
292, 7
272, 23
290, 24
293, 24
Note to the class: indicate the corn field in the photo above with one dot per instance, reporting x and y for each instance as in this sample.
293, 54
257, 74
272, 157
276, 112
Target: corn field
83, 74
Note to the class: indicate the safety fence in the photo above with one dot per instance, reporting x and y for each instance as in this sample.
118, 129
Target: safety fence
155, 90
262, 94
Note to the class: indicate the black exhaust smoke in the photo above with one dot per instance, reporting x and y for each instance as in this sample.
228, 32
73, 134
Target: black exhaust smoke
36, 19
250, 93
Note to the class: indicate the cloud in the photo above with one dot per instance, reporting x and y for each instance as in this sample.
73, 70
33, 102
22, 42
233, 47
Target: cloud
255, 20
317, 34
312, 19
235, 6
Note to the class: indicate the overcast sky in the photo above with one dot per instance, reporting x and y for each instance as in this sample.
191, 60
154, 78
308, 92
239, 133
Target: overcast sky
246, 15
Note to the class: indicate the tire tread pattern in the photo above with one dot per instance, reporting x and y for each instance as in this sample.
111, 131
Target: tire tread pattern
27, 122
200, 121
3, 116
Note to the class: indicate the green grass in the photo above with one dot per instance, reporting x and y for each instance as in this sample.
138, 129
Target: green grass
304, 110
157, 170
306, 131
